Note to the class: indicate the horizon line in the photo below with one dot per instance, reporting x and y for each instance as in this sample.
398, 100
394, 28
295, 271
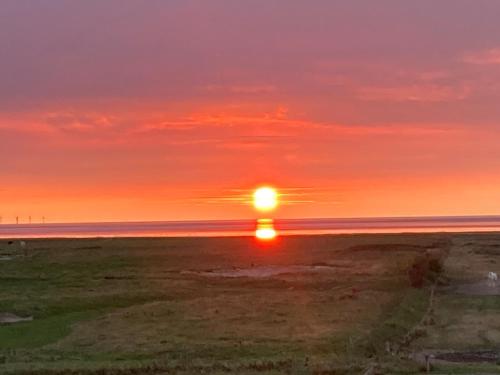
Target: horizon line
243, 220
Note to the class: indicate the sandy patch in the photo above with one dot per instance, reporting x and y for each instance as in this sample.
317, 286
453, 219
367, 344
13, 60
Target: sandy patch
8, 318
263, 271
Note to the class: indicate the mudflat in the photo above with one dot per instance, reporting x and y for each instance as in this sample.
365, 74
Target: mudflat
299, 305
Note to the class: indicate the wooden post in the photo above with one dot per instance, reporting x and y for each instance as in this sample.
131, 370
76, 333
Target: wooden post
428, 365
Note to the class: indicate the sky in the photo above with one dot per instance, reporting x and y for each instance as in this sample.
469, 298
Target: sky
134, 110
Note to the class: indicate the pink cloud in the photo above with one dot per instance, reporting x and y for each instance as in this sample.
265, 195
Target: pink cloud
486, 57
243, 89
415, 93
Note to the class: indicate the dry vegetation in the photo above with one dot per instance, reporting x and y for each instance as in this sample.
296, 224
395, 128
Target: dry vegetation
465, 334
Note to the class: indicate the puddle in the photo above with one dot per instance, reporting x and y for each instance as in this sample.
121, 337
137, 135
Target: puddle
476, 356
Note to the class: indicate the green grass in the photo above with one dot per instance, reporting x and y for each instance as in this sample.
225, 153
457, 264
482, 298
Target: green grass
28, 335
404, 313
102, 305
53, 321
478, 303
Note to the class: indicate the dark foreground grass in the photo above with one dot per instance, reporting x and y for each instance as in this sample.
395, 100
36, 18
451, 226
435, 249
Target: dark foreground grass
144, 306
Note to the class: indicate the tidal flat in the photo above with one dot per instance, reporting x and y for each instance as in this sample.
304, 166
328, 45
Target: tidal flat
324, 304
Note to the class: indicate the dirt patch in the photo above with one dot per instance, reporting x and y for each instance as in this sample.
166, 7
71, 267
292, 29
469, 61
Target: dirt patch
480, 288
8, 318
264, 271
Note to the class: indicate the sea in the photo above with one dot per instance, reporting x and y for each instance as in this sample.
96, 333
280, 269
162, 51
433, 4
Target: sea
211, 228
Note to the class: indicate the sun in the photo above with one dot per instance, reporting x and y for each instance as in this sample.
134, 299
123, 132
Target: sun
265, 199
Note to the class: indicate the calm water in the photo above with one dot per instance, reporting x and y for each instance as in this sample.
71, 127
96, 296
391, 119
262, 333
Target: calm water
248, 227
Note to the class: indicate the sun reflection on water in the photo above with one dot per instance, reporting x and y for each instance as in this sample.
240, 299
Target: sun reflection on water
265, 230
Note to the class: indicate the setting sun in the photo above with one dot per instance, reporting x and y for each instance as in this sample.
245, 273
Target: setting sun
265, 199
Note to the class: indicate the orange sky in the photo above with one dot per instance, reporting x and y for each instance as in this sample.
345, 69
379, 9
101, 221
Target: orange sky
124, 110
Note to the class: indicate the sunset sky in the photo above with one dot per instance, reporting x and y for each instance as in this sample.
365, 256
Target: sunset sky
177, 109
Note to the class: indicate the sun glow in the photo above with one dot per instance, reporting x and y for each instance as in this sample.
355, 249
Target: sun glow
265, 199
265, 234
265, 230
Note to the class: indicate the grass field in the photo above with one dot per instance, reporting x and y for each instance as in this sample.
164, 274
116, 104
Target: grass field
299, 305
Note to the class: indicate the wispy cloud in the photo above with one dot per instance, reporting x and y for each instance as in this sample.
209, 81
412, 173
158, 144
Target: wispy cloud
242, 89
287, 196
415, 93
486, 57
219, 128
79, 122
